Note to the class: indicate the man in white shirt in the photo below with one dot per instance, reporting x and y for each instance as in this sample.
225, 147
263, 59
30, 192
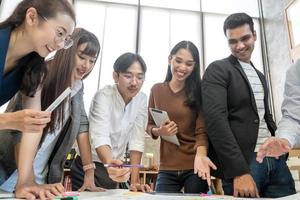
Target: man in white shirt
288, 132
118, 117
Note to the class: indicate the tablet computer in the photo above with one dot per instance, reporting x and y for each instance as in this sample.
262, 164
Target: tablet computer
59, 99
160, 117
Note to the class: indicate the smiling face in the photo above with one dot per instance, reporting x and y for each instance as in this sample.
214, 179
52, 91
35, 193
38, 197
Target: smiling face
83, 63
48, 35
130, 82
182, 65
241, 42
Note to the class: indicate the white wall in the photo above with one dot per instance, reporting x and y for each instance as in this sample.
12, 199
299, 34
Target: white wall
6, 8
277, 49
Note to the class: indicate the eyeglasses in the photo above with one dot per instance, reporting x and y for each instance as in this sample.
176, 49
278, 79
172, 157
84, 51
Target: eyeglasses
130, 77
60, 35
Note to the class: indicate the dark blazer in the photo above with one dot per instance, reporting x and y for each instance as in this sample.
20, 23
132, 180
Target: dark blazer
231, 116
77, 123
10, 82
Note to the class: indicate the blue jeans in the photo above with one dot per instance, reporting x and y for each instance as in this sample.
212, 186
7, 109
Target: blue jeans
172, 182
272, 177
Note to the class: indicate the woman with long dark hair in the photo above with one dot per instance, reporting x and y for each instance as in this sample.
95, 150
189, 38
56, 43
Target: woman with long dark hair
68, 122
183, 166
34, 29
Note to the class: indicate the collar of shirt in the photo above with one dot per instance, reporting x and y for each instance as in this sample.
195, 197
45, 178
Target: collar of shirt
115, 130
76, 87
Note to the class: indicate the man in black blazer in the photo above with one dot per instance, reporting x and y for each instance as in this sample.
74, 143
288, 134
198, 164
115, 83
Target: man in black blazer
238, 118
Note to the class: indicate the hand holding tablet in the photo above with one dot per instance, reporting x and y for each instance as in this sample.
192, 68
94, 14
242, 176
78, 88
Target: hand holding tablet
161, 118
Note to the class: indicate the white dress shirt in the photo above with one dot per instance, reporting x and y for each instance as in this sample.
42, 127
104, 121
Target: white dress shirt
289, 125
115, 124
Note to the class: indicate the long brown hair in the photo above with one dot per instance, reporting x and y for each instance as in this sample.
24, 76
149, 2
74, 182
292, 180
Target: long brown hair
33, 64
60, 72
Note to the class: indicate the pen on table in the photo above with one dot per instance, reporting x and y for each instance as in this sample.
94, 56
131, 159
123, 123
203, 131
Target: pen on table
124, 165
66, 198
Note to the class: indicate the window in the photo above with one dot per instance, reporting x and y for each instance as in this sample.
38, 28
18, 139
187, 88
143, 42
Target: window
157, 39
116, 32
162, 24
191, 5
230, 6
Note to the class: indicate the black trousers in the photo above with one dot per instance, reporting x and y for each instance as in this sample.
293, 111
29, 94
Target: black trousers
101, 176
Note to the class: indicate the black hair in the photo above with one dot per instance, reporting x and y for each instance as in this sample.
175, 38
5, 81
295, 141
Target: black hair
60, 73
34, 66
192, 83
238, 19
124, 61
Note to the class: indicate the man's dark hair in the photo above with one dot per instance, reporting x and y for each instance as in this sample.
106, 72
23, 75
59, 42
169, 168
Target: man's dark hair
124, 61
236, 20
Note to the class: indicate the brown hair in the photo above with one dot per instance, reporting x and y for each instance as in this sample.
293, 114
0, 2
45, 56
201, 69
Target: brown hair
60, 71
33, 64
